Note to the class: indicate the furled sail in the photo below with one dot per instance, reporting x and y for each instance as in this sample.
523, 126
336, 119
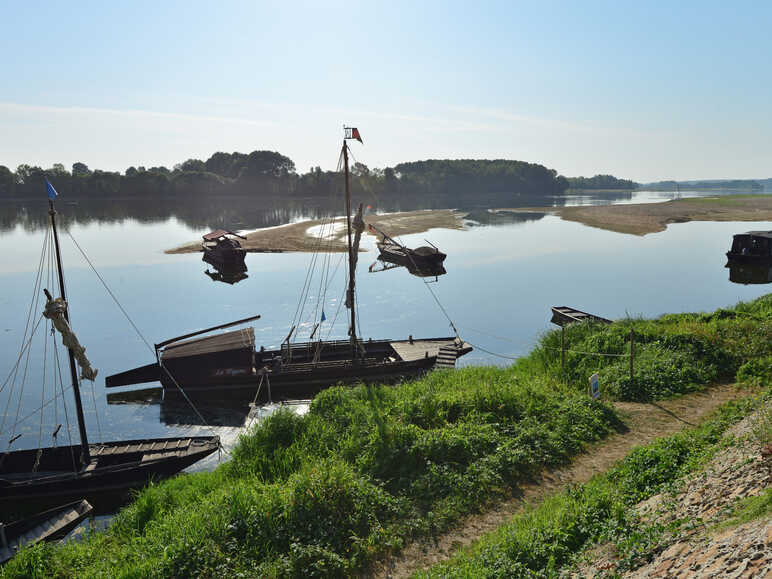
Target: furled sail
55, 309
358, 225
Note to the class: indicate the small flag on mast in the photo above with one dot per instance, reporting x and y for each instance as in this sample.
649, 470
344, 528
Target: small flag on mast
353, 133
50, 188
323, 316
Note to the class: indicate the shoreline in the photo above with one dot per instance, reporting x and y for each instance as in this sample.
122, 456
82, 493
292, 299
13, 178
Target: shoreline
294, 237
645, 218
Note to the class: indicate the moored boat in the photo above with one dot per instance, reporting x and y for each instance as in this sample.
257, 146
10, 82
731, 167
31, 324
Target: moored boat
228, 362
98, 472
223, 251
751, 247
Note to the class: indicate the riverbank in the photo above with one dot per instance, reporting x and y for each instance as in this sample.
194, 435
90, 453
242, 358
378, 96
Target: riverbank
644, 218
330, 236
369, 470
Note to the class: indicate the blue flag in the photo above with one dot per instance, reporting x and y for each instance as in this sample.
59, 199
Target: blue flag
323, 316
51, 191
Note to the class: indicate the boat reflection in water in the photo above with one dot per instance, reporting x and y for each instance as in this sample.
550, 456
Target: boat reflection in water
234, 412
228, 275
422, 270
746, 273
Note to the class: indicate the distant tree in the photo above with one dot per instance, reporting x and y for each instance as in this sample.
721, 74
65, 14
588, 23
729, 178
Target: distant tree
191, 166
80, 170
7, 182
131, 172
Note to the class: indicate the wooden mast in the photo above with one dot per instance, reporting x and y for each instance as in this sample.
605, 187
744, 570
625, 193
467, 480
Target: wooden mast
351, 266
86, 455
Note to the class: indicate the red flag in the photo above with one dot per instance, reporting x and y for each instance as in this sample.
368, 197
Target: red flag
353, 133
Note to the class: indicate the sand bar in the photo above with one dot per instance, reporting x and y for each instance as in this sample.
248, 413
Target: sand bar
643, 218
296, 237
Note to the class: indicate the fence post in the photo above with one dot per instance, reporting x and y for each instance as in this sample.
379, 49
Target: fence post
632, 352
563, 348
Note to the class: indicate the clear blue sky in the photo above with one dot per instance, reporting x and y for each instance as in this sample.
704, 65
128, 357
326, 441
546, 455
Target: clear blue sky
642, 90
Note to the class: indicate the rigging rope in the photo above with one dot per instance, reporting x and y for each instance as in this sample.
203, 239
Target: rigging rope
142, 337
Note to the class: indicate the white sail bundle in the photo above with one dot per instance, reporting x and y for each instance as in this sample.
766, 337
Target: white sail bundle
55, 310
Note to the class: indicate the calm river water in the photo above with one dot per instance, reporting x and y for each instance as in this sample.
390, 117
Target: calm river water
503, 276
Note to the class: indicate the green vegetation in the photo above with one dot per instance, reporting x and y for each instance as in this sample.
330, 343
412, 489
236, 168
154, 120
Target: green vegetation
747, 510
369, 469
601, 182
364, 471
546, 538
674, 354
268, 173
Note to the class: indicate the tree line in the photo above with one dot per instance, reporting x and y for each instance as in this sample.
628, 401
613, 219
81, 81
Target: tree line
601, 182
269, 173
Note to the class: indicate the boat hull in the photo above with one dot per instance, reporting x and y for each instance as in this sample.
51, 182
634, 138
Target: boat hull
303, 370
115, 469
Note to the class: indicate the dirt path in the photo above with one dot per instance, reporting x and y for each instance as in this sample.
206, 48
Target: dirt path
645, 423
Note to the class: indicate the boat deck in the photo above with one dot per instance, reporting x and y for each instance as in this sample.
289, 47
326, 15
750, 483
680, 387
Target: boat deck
418, 349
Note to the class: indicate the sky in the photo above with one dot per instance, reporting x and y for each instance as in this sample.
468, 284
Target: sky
641, 90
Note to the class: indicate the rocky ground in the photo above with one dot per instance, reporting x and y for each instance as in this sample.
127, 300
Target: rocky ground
702, 540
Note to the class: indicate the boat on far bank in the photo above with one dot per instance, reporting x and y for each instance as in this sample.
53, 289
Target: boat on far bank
418, 260
223, 250
751, 247
227, 364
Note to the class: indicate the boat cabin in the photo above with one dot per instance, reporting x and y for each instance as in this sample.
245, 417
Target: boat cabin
752, 246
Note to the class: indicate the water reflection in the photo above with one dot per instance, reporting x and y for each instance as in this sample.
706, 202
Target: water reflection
238, 213
213, 412
749, 274
479, 217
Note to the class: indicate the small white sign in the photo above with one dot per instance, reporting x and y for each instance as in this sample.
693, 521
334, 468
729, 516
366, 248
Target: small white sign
594, 385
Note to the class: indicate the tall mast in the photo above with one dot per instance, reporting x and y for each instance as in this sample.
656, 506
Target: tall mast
86, 455
351, 266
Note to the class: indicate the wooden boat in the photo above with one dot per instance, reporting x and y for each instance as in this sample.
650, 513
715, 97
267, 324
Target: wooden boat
421, 259
565, 315
49, 525
225, 364
751, 247
98, 472
223, 250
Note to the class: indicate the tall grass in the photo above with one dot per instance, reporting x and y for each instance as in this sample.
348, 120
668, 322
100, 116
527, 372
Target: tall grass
675, 354
370, 468
546, 538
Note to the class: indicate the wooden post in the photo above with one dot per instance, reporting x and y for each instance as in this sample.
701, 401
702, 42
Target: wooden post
563, 348
632, 352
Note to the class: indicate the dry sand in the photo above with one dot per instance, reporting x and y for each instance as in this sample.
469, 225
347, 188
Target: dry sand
296, 237
643, 218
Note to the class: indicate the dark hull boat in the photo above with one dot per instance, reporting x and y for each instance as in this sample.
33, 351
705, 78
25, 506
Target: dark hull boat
49, 525
751, 247
113, 469
223, 251
96, 472
228, 364
419, 261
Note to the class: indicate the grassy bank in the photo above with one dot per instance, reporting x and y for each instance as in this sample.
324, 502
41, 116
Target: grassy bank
368, 469
546, 538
